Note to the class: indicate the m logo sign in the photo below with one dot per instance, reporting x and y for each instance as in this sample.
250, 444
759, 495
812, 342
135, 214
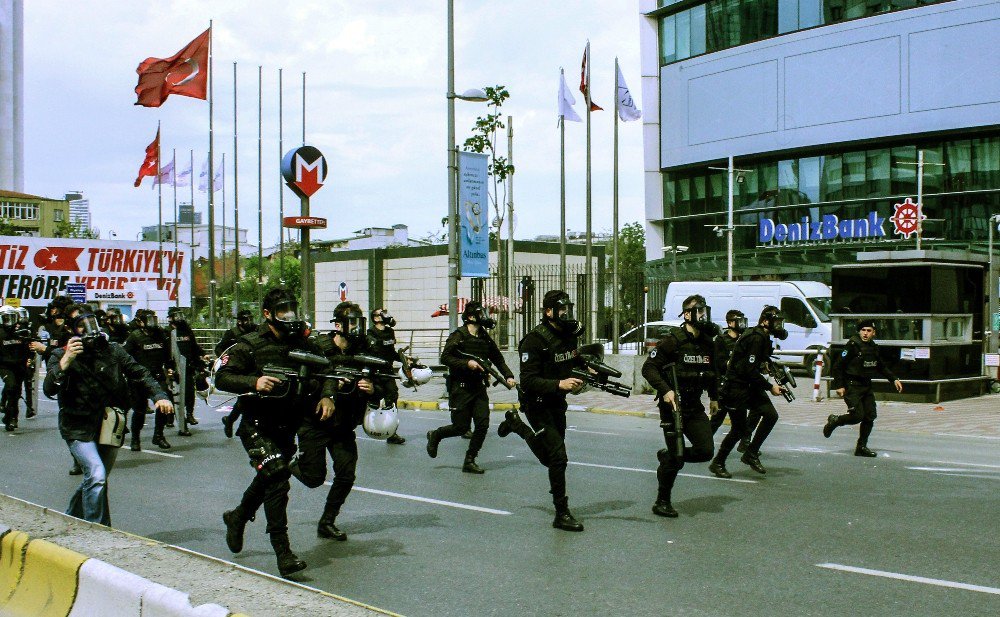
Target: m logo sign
304, 170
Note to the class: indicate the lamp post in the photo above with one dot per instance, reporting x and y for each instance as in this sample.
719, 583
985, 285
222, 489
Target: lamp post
994, 222
674, 251
474, 95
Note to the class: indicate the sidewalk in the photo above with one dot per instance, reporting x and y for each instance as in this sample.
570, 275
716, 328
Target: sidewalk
973, 417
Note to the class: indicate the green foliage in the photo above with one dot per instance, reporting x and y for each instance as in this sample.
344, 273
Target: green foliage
74, 229
631, 261
8, 229
484, 141
246, 284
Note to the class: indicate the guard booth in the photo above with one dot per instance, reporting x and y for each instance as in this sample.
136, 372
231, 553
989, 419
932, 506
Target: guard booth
929, 309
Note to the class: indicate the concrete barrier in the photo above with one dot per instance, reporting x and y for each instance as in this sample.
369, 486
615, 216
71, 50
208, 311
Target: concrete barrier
42, 579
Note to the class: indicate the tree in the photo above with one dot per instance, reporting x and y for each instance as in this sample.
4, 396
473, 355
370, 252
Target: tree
484, 141
631, 262
8, 229
74, 229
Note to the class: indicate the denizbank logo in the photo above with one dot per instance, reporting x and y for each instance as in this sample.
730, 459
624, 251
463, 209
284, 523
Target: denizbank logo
827, 227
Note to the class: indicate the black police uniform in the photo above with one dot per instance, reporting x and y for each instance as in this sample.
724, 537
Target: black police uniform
117, 333
335, 435
192, 352
230, 337
690, 358
13, 368
382, 343
467, 397
746, 389
267, 429
150, 348
547, 357
724, 346
858, 365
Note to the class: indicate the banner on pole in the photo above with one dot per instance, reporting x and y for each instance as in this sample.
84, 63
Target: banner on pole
473, 214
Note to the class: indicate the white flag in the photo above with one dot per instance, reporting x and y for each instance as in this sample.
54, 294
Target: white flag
203, 178
566, 101
184, 177
627, 110
166, 175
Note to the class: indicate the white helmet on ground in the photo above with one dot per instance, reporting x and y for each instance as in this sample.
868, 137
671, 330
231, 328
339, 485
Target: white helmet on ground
421, 375
381, 423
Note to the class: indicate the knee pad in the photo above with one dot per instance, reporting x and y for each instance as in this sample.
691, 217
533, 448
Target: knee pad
668, 460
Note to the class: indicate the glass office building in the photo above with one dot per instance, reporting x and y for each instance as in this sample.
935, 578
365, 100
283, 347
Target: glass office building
826, 107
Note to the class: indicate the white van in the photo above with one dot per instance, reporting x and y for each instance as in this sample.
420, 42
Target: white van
805, 304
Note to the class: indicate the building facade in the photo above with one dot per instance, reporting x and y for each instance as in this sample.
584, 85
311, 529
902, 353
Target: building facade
79, 209
31, 215
828, 108
12, 95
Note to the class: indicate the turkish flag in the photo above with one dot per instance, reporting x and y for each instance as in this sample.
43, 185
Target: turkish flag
585, 79
184, 73
58, 258
151, 164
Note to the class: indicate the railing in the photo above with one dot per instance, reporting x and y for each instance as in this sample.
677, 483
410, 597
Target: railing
208, 338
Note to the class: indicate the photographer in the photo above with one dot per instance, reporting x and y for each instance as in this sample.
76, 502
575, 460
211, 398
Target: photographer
271, 414
87, 376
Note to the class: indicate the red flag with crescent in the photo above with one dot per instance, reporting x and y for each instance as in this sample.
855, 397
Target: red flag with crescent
58, 258
151, 164
184, 73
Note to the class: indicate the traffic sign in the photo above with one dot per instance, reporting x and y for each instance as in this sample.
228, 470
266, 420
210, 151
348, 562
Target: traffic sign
298, 222
77, 291
304, 170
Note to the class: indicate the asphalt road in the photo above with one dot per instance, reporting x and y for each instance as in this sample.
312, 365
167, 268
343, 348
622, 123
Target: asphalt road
921, 520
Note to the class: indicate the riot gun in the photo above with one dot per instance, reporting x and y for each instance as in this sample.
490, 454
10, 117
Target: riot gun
783, 377
678, 429
315, 368
491, 371
597, 374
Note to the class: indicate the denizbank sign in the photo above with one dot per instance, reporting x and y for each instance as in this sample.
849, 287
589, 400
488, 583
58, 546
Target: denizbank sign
905, 222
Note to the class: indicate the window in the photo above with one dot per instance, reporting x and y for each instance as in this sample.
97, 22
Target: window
796, 313
59, 215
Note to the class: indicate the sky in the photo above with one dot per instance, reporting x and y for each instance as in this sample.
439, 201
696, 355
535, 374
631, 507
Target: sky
375, 105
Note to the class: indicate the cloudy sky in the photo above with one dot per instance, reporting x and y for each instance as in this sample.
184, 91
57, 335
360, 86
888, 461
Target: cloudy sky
375, 104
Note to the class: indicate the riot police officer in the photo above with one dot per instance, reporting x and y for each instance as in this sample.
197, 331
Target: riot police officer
150, 347
14, 350
335, 434
746, 390
272, 412
244, 325
468, 380
194, 357
725, 343
852, 378
116, 328
548, 355
382, 343
681, 369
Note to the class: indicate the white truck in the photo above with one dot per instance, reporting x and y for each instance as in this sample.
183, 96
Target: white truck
805, 304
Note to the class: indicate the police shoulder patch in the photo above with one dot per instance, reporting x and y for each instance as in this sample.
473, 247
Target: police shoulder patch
843, 353
752, 358
652, 354
524, 357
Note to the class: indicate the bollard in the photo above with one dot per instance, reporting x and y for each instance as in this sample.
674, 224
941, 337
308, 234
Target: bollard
818, 365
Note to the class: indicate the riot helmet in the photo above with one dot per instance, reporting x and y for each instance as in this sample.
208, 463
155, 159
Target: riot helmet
283, 313
736, 321
381, 423
382, 316
349, 321
562, 312
772, 319
115, 317
476, 313
8, 316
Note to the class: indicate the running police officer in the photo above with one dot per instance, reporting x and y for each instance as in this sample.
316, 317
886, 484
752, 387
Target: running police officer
725, 343
745, 390
149, 345
244, 325
467, 397
194, 357
852, 378
14, 340
548, 355
319, 435
382, 343
272, 411
117, 329
681, 369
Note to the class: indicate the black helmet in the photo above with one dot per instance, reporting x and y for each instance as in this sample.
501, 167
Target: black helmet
284, 310
475, 312
556, 300
349, 321
738, 317
382, 314
772, 318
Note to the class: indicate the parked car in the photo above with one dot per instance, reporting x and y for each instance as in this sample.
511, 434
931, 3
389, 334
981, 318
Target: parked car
642, 337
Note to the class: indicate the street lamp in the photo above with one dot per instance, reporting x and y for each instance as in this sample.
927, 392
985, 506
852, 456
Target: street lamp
994, 222
474, 95
674, 251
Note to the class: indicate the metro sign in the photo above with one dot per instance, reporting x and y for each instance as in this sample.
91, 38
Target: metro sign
304, 169
298, 222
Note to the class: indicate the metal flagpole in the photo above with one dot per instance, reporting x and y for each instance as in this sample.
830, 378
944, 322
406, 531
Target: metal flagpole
260, 193
159, 192
729, 221
212, 320
223, 219
562, 195
589, 335
307, 290
920, 196
236, 202
176, 273
303, 108
614, 229
191, 246
281, 190
511, 289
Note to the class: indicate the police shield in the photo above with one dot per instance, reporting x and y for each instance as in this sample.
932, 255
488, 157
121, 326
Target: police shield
178, 386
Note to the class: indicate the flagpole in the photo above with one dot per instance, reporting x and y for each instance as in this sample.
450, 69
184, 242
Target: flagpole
307, 290
260, 194
589, 248
223, 279
159, 198
562, 194
236, 201
281, 191
177, 292
511, 289
212, 320
191, 247
614, 229
303, 108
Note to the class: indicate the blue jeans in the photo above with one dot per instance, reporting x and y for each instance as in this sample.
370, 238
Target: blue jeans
90, 501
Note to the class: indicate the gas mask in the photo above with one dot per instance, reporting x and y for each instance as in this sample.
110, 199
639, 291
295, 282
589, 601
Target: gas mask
387, 320
245, 323
476, 311
284, 318
89, 330
350, 324
177, 317
775, 322
115, 318
739, 321
562, 315
697, 315
8, 317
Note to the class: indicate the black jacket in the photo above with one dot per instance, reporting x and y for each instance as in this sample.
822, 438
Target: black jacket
693, 360
229, 338
547, 357
480, 345
859, 361
350, 402
151, 348
93, 381
382, 343
746, 364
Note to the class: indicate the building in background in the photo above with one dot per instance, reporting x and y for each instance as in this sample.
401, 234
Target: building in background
12, 95
370, 238
79, 209
31, 215
825, 106
187, 215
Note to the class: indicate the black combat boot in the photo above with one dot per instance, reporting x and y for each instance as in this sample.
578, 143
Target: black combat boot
396, 439
719, 469
564, 519
191, 419
227, 426
862, 450
744, 444
512, 423
753, 460
288, 562
662, 507
76, 470
136, 445
831, 423
432, 444
470, 465
160, 441
236, 523
328, 529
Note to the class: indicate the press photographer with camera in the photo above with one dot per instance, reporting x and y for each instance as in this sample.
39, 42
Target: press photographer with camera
91, 378
271, 414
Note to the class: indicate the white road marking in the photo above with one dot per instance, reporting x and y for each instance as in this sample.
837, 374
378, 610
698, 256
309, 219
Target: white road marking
972, 436
160, 453
969, 474
687, 475
912, 579
578, 430
439, 502
966, 464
